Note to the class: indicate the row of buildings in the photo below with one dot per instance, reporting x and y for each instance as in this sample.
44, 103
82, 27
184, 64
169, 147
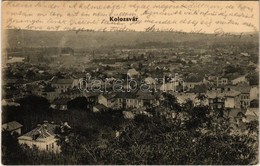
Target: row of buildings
197, 80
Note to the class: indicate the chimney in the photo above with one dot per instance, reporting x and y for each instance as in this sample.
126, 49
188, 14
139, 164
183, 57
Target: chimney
45, 121
38, 125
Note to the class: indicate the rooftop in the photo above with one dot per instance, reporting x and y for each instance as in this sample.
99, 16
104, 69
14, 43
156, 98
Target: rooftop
145, 96
100, 106
62, 101
232, 93
10, 126
242, 89
40, 133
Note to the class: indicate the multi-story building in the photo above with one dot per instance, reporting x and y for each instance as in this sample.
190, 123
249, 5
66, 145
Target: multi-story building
127, 100
232, 99
135, 100
244, 96
62, 85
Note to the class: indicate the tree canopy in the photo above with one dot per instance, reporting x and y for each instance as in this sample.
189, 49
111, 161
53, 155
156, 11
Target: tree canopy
196, 135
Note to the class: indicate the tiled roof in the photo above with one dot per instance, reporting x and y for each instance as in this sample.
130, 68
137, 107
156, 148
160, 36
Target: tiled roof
232, 93
109, 95
242, 89
40, 133
100, 106
194, 79
145, 96
134, 95
214, 94
63, 101
10, 126
90, 94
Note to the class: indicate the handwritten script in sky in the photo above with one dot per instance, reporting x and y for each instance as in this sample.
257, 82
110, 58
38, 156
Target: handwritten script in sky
200, 17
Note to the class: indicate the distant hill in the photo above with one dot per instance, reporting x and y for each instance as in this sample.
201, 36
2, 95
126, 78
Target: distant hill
94, 40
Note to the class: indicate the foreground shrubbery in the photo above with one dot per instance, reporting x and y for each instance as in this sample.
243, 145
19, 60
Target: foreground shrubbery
202, 138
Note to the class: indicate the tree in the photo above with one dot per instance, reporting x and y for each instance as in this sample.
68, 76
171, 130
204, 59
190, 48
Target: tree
12, 152
253, 78
30, 74
79, 103
188, 106
253, 127
201, 98
170, 101
232, 69
203, 139
34, 104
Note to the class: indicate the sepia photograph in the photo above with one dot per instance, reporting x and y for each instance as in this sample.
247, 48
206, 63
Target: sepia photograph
130, 83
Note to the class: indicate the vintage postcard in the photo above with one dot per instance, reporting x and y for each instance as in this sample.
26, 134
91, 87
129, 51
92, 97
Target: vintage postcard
130, 82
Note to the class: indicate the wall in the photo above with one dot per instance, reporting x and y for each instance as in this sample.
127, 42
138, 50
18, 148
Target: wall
42, 146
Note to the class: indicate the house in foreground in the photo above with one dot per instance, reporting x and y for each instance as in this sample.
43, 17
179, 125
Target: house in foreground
42, 137
12, 127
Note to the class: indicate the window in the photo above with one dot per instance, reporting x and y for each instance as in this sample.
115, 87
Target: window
52, 145
47, 147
